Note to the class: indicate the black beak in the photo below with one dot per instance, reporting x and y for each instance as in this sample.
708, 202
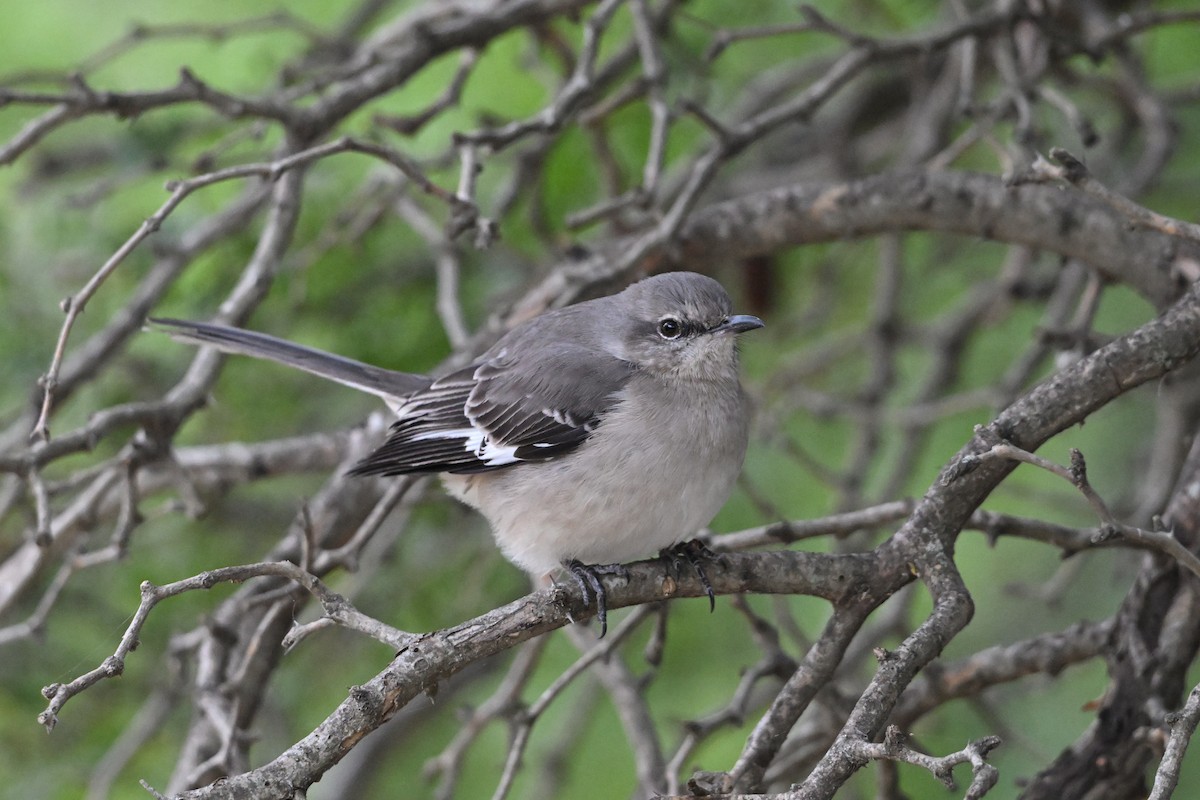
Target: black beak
739, 323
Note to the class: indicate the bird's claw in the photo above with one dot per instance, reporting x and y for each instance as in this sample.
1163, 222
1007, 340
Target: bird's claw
588, 578
695, 552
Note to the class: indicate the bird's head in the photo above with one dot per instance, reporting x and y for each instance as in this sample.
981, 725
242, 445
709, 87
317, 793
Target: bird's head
682, 324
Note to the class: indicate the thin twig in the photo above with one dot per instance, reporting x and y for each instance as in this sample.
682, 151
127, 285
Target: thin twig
335, 606
1161, 541
74, 305
1074, 171
524, 722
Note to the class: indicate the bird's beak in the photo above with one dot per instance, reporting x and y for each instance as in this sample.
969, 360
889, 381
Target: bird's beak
739, 323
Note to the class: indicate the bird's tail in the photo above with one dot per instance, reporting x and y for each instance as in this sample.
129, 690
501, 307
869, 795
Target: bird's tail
392, 386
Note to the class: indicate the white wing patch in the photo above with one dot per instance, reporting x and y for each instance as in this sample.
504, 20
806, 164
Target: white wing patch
477, 443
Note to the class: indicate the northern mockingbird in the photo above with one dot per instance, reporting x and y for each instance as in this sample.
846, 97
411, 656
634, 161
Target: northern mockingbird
588, 436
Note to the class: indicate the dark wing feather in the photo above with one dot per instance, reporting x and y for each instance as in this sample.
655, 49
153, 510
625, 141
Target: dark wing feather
501, 412
420, 439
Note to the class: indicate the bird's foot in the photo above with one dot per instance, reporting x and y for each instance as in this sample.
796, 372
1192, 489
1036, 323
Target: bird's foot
695, 552
588, 577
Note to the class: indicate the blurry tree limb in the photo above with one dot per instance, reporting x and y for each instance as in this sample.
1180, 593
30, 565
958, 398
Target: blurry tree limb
952, 202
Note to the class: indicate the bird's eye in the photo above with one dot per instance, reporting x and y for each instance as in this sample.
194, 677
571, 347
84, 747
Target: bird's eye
670, 328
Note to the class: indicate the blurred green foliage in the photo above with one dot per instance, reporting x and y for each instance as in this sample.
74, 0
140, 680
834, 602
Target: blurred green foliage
373, 299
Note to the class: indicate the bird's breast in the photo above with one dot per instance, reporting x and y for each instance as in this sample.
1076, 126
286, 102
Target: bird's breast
658, 467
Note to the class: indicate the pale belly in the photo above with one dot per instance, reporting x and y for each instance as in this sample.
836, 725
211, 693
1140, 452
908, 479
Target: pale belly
616, 498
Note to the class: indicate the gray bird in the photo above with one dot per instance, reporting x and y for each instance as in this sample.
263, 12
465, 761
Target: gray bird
588, 436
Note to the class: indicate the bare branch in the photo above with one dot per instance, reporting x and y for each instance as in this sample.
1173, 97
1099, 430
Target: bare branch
984, 775
1075, 172
335, 607
1163, 542
1183, 725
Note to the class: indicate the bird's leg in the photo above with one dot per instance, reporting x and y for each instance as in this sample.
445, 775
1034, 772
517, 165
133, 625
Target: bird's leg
695, 552
588, 577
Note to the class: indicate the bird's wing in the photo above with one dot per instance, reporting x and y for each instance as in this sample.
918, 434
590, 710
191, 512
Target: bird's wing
499, 412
